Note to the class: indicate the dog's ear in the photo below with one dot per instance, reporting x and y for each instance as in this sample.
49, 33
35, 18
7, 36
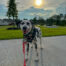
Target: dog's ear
32, 22
20, 21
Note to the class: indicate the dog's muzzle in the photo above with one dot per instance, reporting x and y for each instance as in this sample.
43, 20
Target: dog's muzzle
25, 30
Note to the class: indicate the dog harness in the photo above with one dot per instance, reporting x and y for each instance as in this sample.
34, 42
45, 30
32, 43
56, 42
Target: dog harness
31, 36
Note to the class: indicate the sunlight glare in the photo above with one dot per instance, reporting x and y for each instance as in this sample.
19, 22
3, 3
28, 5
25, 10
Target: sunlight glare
38, 2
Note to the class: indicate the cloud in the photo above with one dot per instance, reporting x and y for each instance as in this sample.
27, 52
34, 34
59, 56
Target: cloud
3, 2
53, 4
32, 12
61, 8
25, 4
28, 10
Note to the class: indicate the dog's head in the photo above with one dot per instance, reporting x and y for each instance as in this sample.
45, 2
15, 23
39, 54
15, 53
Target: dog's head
26, 26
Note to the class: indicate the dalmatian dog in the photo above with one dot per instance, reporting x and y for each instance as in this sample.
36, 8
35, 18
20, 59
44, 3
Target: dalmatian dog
30, 35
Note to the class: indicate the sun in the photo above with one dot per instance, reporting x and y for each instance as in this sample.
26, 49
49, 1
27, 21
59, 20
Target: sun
38, 3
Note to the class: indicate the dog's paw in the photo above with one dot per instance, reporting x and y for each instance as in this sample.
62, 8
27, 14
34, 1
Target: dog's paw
26, 57
36, 59
40, 47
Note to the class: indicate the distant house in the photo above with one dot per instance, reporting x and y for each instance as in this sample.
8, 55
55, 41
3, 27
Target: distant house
6, 22
53, 26
3, 22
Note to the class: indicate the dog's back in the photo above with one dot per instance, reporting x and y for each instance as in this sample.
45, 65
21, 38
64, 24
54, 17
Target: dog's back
38, 33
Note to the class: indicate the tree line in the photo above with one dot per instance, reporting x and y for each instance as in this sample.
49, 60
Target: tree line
59, 20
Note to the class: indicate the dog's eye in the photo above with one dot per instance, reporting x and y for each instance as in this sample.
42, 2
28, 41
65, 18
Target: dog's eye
22, 23
28, 23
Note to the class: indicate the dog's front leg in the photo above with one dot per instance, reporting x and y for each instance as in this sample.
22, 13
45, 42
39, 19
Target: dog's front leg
36, 50
27, 51
26, 48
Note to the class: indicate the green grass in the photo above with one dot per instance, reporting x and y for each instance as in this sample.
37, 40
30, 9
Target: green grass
9, 34
16, 34
53, 31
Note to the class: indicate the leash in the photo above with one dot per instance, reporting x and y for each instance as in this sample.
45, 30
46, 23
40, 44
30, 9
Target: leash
24, 52
24, 43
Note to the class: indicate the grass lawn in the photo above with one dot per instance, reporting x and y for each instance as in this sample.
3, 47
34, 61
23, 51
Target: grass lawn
53, 31
15, 34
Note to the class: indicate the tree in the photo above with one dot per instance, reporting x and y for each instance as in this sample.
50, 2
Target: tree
41, 21
35, 20
50, 22
65, 17
57, 19
12, 10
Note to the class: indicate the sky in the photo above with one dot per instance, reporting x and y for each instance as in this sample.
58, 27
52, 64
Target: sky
28, 9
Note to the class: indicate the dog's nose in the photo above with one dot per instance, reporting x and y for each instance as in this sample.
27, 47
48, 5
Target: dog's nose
24, 28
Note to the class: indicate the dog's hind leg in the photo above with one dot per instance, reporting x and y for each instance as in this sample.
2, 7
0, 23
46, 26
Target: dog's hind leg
27, 48
40, 37
36, 49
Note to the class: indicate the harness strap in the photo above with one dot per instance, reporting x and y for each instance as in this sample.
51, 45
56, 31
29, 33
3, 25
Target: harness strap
31, 35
